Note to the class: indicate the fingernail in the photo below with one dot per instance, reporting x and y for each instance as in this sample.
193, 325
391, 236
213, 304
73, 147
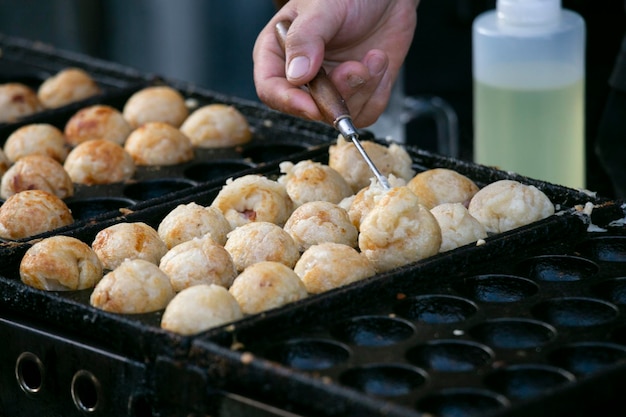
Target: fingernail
376, 64
354, 81
298, 67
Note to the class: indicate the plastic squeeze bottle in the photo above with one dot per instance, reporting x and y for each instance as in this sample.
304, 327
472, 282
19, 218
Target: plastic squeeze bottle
528, 67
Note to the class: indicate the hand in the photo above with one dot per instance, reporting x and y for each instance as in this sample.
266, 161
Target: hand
361, 43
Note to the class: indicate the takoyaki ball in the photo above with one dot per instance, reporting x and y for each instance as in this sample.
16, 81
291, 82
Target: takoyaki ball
506, 205
217, 126
364, 200
158, 143
318, 222
187, 221
266, 285
398, 230
253, 198
32, 212
308, 181
4, 163
136, 286
345, 158
60, 263
458, 226
198, 261
156, 104
36, 138
98, 121
261, 241
36, 172
199, 308
17, 101
67, 86
121, 241
441, 185
331, 265
99, 161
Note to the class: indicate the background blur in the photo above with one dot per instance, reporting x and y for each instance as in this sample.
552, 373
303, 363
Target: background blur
209, 43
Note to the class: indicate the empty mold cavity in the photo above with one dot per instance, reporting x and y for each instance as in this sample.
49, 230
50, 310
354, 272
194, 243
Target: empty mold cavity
558, 268
513, 333
154, 188
605, 248
209, 171
264, 153
527, 381
86, 392
613, 290
89, 208
436, 309
29, 372
373, 331
497, 288
462, 402
575, 311
385, 380
450, 355
585, 358
309, 354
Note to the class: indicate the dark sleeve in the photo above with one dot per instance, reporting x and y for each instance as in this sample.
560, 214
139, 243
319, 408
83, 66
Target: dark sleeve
618, 76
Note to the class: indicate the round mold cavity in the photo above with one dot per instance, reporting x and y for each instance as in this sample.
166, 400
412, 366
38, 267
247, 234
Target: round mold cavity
558, 268
89, 208
270, 152
208, 171
309, 354
513, 333
586, 358
154, 188
384, 380
575, 311
373, 331
496, 288
462, 402
436, 309
450, 355
605, 248
527, 381
613, 290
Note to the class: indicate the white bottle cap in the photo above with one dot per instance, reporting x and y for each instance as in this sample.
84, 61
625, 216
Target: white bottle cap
528, 12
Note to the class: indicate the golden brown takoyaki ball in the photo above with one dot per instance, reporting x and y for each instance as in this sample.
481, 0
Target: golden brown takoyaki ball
253, 198
261, 241
121, 241
318, 222
363, 201
60, 263
506, 205
99, 161
136, 286
199, 308
398, 230
36, 138
67, 86
98, 121
308, 181
329, 265
156, 104
187, 221
198, 261
4, 163
458, 226
217, 126
266, 285
32, 212
36, 172
441, 185
158, 143
345, 158
17, 101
